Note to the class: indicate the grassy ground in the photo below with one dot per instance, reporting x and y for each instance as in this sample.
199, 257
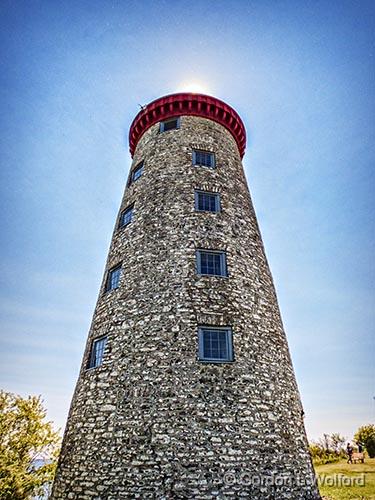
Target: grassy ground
340, 474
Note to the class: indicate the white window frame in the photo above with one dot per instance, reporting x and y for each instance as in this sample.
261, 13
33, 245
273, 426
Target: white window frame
109, 288
93, 361
201, 151
229, 342
138, 168
223, 262
217, 200
174, 118
130, 209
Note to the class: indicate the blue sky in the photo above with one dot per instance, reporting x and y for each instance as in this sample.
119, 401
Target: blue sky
300, 74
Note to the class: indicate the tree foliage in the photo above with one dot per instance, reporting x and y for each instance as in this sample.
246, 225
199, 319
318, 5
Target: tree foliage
366, 436
28, 447
329, 448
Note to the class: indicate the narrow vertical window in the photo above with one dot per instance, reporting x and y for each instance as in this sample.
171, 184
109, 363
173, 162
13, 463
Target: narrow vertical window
126, 216
170, 124
211, 262
113, 278
203, 159
137, 172
96, 353
207, 202
215, 344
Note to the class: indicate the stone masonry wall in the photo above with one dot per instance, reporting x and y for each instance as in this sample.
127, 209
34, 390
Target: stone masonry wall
152, 422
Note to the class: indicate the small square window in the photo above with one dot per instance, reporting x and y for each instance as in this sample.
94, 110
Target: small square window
126, 217
171, 124
207, 202
96, 353
113, 278
212, 263
137, 172
215, 344
203, 159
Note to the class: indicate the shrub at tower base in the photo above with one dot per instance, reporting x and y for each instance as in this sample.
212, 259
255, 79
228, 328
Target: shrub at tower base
366, 436
26, 441
330, 448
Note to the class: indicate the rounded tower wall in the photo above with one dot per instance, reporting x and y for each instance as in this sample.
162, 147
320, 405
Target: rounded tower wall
152, 404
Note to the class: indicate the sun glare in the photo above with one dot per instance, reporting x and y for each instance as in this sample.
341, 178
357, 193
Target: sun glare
195, 87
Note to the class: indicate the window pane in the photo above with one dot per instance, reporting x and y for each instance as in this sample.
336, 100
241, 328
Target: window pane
217, 264
126, 216
215, 344
138, 172
203, 159
208, 202
211, 202
212, 263
169, 125
113, 279
97, 351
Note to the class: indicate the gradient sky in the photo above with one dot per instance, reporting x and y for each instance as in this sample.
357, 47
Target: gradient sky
301, 76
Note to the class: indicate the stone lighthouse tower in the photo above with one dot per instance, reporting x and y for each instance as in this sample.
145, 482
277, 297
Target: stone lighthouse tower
186, 388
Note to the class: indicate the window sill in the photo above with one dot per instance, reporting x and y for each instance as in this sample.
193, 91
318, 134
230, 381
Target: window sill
216, 362
92, 368
212, 275
109, 291
120, 228
208, 211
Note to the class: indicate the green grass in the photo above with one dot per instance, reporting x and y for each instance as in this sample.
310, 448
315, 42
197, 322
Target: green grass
334, 471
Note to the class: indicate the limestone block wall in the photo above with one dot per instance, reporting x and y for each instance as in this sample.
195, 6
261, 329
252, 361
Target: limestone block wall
153, 421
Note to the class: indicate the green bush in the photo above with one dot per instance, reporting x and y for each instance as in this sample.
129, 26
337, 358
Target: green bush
329, 449
25, 437
366, 436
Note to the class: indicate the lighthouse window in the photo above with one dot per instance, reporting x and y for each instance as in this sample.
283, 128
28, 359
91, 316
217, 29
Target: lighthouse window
211, 263
137, 172
113, 278
207, 202
96, 353
215, 344
126, 216
169, 124
203, 159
